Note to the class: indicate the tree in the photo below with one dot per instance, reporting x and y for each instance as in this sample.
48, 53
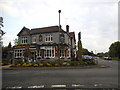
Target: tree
16, 41
114, 49
85, 51
79, 53
9, 45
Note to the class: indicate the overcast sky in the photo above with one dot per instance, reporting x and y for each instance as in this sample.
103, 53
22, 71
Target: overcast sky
97, 20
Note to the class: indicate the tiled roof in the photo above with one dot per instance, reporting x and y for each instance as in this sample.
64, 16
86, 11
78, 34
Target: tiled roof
45, 30
24, 29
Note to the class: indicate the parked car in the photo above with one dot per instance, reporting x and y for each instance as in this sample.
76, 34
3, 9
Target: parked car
107, 58
87, 58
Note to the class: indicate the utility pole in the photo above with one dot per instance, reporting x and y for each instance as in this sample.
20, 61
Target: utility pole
59, 11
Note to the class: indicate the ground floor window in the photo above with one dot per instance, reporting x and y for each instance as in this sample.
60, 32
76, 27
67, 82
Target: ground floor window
18, 53
68, 53
62, 52
49, 52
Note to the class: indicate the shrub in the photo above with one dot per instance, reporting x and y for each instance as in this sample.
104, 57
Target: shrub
48, 64
74, 63
41, 64
64, 63
35, 65
18, 65
5, 62
29, 64
68, 64
56, 65
24, 64
12, 65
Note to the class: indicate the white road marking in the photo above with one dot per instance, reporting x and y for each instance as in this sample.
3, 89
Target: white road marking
13, 87
97, 85
41, 86
77, 85
58, 85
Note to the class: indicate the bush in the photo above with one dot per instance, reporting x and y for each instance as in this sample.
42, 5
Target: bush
56, 64
48, 64
74, 63
29, 64
12, 65
24, 64
41, 65
18, 61
68, 64
5, 62
35, 65
64, 64
18, 65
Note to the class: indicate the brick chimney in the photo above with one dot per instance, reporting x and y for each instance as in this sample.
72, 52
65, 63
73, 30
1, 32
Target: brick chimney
67, 28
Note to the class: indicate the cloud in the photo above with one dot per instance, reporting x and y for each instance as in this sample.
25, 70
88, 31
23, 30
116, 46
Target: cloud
9, 38
96, 19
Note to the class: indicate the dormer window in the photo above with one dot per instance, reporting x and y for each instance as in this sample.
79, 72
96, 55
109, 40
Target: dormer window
49, 38
24, 40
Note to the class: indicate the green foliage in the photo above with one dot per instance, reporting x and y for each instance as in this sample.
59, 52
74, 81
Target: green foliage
48, 64
53, 63
5, 62
41, 64
114, 50
74, 63
35, 65
79, 53
9, 45
85, 51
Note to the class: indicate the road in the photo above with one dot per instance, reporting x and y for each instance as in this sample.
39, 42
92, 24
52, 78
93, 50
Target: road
99, 77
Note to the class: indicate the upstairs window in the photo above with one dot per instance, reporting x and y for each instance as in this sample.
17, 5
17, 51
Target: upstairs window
24, 40
34, 39
49, 38
40, 38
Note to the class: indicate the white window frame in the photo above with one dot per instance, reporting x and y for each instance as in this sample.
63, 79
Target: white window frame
24, 40
62, 53
68, 53
18, 53
48, 38
34, 39
49, 52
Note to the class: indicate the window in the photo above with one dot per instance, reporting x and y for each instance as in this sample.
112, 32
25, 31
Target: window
61, 52
24, 40
34, 39
49, 52
40, 38
68, 53
18, 53
49, 38
39, 53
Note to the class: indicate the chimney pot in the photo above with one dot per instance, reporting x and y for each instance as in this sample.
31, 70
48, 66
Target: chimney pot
67, 28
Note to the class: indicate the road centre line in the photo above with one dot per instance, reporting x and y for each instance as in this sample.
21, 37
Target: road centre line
41, 86
14, 87
58, 85
77, 85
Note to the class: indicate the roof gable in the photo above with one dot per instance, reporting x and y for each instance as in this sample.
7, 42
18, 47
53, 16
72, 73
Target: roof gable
24, 31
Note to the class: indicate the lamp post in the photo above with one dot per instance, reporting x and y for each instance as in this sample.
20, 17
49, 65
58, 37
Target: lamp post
59, 11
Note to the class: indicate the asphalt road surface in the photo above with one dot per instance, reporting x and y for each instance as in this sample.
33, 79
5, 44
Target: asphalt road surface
98, 77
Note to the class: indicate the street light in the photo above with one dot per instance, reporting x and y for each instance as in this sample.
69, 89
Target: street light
59, 11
